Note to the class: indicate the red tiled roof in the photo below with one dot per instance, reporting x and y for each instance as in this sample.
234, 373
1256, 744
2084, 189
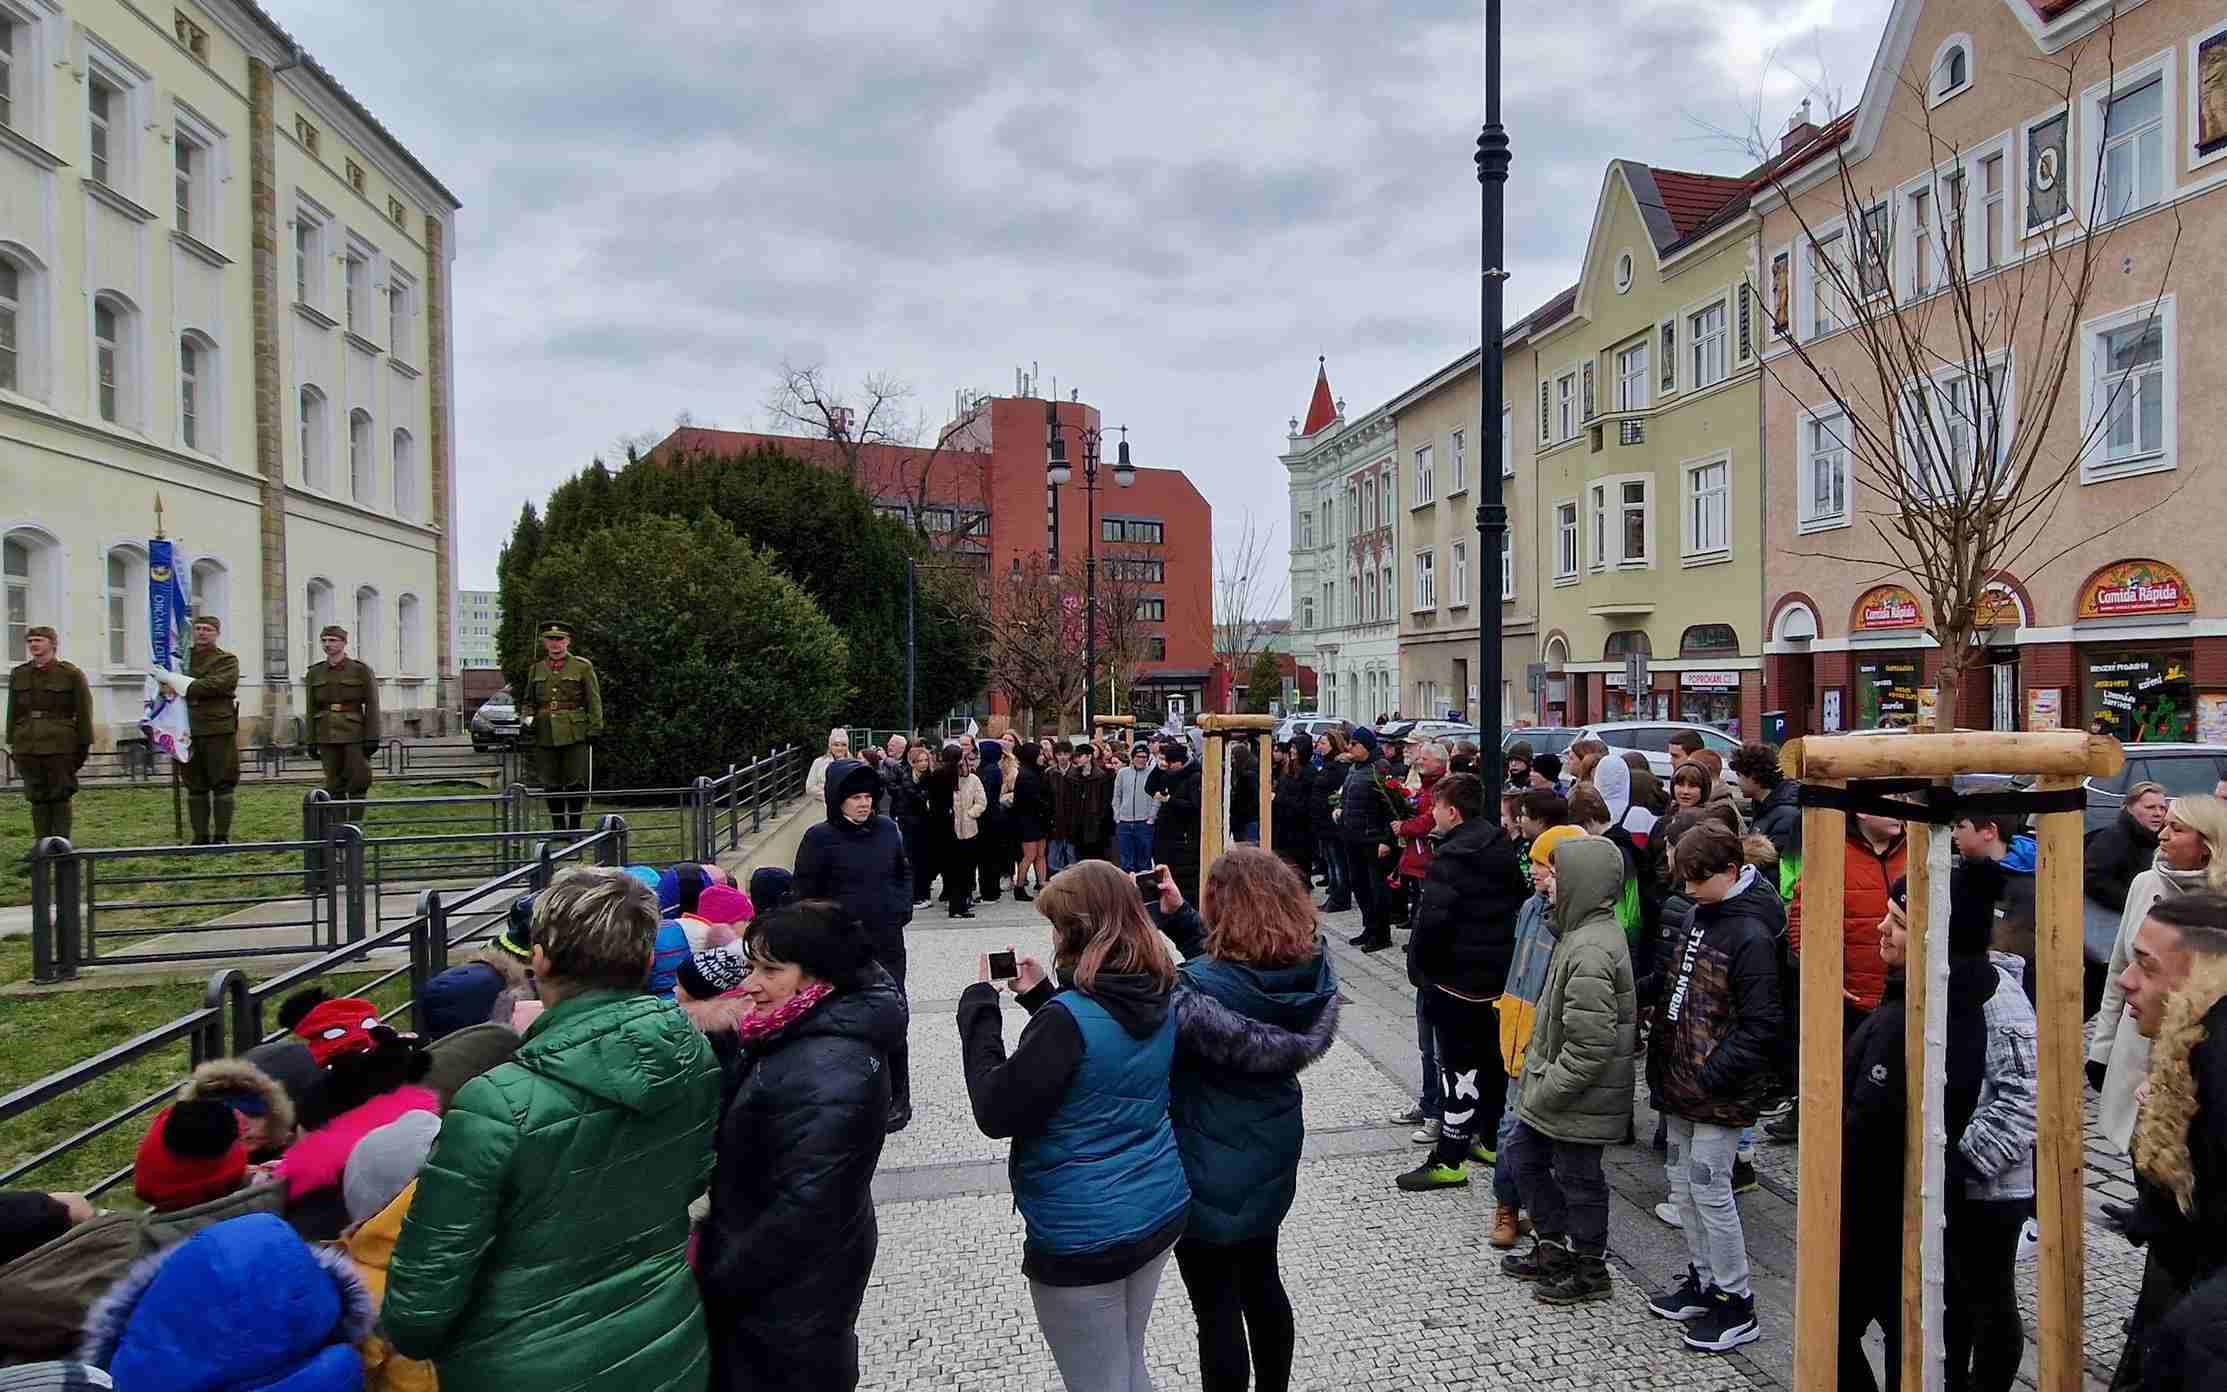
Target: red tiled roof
1690, 199
1322, 410
1553, 311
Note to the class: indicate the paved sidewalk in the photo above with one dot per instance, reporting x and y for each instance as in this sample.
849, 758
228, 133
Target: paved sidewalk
1392, 1291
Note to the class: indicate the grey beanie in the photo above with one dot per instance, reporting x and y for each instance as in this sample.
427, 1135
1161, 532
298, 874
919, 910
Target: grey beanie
385, 1161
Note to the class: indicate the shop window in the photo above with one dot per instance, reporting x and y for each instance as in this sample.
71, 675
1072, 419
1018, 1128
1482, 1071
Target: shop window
1887, 690
2141, 696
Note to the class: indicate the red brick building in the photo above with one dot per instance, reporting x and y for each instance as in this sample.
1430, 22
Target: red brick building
985, 492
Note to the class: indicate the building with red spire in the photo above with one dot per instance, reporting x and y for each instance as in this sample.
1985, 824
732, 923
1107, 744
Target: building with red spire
1345, 517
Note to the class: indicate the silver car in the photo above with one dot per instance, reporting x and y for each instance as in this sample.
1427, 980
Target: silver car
495, 724
1652, 738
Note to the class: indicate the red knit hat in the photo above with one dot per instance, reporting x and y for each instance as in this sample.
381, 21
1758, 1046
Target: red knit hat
341, 1025
192, 1154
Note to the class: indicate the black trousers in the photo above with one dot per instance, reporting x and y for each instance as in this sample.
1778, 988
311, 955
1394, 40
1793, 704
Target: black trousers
921, 854
1243, 1313
1364, 874
1473, 1081
1981, 1325
957, 864
889, 950
1870, 1293
1563, 1188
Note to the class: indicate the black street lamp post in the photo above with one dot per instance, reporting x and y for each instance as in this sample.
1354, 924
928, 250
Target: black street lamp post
1057, 472
1492, 510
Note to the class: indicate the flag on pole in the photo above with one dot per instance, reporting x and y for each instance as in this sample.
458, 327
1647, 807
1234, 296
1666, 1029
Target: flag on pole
164, 722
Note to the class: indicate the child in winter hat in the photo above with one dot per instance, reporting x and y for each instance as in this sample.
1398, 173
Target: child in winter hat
713, 973
192, 1154
385, 1162
769, 887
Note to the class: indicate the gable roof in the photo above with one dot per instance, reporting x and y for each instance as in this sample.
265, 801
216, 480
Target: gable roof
1692, 201
1322, 410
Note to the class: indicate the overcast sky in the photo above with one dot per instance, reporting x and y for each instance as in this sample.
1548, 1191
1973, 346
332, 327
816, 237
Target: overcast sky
1172, 206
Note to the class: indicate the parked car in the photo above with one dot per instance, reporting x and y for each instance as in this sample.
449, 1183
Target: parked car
1543, 739
1652, 738
2183, 769
1310, 726
1445, 732
495, 724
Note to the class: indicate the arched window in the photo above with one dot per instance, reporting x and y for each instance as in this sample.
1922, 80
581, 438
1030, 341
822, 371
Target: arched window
30, 587
1952, 69
317, 612
313, 431
407, 620
363, 467
199, 394
1557, 654
124, 595
1624, 642
209, 588
1708, 640
115, 360
406, 477
364, 634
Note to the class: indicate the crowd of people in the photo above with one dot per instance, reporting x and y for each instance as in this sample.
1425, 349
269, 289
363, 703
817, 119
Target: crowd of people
633, 1138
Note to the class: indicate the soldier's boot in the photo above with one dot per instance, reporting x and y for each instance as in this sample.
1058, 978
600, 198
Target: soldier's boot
221, 825
197, 811
60, 817
42, 821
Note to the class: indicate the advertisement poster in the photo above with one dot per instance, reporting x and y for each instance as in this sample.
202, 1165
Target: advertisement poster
1887, 691
1832, 711
2136, 589
2211, 719
2045, 708
2141, 697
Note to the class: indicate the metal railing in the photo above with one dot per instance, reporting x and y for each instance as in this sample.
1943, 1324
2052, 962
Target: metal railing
230, 1018
134, 763
357, 867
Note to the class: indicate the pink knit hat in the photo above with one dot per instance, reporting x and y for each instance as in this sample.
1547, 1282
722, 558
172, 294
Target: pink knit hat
724, 904
718, 875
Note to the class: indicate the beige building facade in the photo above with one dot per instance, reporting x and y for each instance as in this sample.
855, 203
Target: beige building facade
2114, 615
223, 282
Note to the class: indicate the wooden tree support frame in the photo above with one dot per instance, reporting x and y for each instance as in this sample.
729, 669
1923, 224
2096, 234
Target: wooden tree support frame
2061, 759
1214, 828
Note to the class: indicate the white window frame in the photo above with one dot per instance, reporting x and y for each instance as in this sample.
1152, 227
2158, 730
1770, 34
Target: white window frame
209, 587
313, 227
1565, 405
34, 597
1878, 242
1808, 519
317, 611
1457, 577
126, 374
1426, 581
402, 310
1936, 91
1819, 310
1388, 591
1306, 612
313, 432
188, 128
1941, 383
2099, 389
1457, 457
2027, 229
363, 458
1368, 596
1635, 364
124, 611
1306, 531
367, 630
1701, 345
207, 386
1568, 550
1368, 504
1919, 237
1697, 493
357, 265
1609, 509
23, 317
2193, 88
103, 138
1507, 565
31, 46
1508, 443
2088, 137
409, 504
1426, 477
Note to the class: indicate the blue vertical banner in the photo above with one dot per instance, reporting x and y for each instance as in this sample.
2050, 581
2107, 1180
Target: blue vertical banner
168, 614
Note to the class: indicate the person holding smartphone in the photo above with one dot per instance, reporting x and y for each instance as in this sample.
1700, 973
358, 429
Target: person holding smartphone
1084, 1097
1256, 1002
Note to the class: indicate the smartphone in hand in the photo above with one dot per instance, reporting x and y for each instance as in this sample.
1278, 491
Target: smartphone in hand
1148, 885
1003, 967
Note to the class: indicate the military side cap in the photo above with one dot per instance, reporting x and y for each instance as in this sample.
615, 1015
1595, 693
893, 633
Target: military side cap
334, 631
554, 629
209, 619
42, 631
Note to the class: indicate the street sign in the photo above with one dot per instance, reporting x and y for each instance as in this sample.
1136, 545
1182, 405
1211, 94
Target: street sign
1636, 676
1534, 678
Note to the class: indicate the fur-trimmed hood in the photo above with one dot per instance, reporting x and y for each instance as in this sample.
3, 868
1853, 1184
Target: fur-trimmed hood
247, 1301
719, 1015
2193, 1015
218, 1077
1238, 1042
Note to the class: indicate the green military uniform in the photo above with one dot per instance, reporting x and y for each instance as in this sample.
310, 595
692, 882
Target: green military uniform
213, 717
50, 735
344, 720
565, 707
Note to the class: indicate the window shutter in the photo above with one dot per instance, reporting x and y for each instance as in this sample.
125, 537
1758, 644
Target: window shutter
1747, 326
1670, 355
1589, 412
1546, 415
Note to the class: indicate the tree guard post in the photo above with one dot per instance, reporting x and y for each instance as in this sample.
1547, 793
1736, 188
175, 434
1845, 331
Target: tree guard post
1827, 767
1214, 828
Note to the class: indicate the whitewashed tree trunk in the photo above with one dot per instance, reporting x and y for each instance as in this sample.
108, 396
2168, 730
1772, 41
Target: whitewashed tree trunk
1932, 1182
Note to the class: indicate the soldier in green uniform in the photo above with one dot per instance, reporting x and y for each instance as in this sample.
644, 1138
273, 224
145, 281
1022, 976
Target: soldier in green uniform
343, 717
210, 684
50, 731
566, 710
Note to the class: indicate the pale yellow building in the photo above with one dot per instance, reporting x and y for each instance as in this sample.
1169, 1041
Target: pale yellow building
221, 280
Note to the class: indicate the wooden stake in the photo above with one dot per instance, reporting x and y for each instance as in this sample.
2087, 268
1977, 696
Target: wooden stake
1213, 805
1817, 1228
2059, 1167
1266, 744
1816, 758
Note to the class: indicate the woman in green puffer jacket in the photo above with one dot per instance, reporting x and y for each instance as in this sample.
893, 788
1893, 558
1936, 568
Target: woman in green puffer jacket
548, 1238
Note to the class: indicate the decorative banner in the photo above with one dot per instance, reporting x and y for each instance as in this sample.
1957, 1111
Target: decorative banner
1887, 606
2045, 708
2139, 587
163, 720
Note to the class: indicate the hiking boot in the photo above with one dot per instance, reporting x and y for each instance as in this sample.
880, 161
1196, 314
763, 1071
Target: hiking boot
1688, 1300
1728, 1323
1585, 1278
1428, 1133
1546, 1261
1508, 1226
1743, 1176
1433, 1174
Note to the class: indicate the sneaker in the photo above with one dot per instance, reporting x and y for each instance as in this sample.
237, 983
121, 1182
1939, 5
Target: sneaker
1413, 1116
1743, 1177
1786, 1128
1779, 1106
2029, 1240
1482, 1155
1337, 906
1427, 1133
1508, 1226
1432, 1175
1668, 1212
1022, 896
1729, 1323
1585, 1278
1688, 1300
1546, 1261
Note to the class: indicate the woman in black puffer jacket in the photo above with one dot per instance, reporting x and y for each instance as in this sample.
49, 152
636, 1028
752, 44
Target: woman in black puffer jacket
1365, 833
790, 1243
2126, 848
1329, 782
1293, 826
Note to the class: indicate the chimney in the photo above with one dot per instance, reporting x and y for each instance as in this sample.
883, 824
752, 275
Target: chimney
1800, 130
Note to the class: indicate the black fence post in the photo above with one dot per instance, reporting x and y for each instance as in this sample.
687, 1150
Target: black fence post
68, 920
432, 909
545, 864
43, 933
228, 992
613, 851
345, 848
428, 945
699, 818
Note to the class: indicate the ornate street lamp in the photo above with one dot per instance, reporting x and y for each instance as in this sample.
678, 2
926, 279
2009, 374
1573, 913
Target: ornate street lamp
1057, 472
1492, 510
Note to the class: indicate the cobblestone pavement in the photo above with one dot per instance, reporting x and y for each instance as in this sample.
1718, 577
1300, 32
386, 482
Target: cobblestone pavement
1391, 1290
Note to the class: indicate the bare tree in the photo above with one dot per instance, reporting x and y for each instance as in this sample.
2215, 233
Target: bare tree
1959, 376
1130, 581
886, 444
1248, 593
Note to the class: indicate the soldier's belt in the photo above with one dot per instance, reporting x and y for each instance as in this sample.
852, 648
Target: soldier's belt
557, 708
345, 707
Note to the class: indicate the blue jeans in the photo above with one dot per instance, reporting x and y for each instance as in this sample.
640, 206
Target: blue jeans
1434, 1089
1059, 854
1504, 1188
1135, 841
